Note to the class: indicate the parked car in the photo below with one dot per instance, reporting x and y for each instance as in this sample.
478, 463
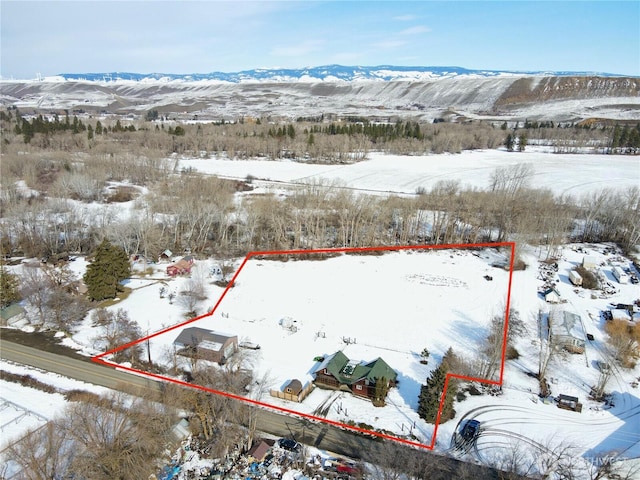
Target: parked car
470, 430
289, 444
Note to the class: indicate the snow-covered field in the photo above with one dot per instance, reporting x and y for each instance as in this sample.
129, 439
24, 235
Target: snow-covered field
382, 173
393, 306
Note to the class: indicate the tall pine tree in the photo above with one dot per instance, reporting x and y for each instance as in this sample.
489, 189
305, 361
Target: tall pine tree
429, 399
109, 267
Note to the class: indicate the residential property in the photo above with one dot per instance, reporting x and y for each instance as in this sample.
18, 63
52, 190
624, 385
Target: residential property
205, 344
566, 331
181, 267
337, 371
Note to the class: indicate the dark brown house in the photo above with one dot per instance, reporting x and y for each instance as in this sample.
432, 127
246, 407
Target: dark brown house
206, 344
358, 377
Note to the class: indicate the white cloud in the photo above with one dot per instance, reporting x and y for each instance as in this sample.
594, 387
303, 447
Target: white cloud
415, 30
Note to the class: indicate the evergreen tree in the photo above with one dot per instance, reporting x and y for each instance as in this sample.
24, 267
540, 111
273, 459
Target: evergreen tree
522, 142
429, 399
9, 288
109, 267
509, 143
380, 391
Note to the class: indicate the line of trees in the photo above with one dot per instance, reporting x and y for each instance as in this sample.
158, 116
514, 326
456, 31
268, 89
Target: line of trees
201, 213
342, 141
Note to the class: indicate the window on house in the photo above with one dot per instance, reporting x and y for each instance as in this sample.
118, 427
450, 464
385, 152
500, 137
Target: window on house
358, 387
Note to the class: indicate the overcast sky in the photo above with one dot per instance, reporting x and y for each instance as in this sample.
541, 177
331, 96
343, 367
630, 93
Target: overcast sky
169, 36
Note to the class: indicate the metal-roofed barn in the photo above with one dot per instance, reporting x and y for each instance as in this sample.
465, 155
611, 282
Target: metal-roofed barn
566, 331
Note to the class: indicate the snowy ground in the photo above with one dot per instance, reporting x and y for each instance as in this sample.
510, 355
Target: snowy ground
405, 174
394, 306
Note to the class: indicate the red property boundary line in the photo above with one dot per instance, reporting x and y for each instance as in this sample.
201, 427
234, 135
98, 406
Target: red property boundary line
99, 358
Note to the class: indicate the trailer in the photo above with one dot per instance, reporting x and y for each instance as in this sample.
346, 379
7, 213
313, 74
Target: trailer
575, 278
620, 275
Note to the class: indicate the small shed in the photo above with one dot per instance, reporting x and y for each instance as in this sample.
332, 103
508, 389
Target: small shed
551, 295
589, 262
11, 314
165, 255
293, 390
294, 387
259, 450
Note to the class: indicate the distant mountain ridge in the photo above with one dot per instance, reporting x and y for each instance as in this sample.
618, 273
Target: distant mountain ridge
322, 73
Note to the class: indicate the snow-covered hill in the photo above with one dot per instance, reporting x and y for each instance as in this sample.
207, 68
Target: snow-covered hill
382, 91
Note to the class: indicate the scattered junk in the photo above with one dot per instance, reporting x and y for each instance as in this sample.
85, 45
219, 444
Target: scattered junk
249, 345
620, 275
575, 278
215, 272
289, 324
567, 402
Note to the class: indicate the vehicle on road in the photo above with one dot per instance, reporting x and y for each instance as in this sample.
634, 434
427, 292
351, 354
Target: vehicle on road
289, 444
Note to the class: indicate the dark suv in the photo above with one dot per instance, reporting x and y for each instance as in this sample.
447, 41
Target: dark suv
470, 430
289, 444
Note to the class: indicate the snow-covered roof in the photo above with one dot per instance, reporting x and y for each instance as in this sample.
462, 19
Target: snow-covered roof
566, 323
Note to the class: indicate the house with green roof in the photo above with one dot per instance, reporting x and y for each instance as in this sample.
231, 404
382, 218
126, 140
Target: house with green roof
371, 380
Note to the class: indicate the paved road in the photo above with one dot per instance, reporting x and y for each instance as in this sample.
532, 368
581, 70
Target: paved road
320, 435
79, 369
